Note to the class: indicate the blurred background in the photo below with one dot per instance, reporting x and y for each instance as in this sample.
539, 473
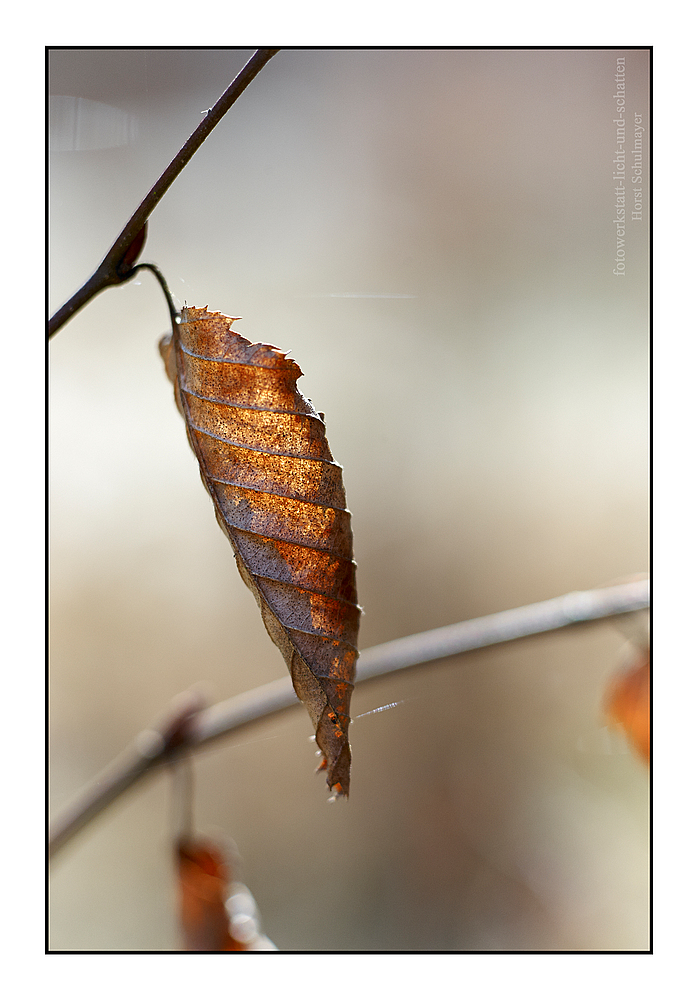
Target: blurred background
430, 235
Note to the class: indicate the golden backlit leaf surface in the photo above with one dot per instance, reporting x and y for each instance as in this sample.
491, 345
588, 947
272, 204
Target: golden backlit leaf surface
279, 497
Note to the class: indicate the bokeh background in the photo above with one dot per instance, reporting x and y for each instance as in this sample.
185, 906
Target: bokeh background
430, 235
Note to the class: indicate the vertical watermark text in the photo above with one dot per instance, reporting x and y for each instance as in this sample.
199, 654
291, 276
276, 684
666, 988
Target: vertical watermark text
619, 175
628, 168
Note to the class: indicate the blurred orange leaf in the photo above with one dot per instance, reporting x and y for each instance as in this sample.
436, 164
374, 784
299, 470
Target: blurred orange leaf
279, 497
627, 703
215, 915
203, 885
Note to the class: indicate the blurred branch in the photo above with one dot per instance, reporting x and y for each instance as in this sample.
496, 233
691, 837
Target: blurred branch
190, 726
151, 747
117, 265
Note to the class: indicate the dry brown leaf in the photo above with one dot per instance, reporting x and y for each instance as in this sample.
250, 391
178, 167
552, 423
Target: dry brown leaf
279, 497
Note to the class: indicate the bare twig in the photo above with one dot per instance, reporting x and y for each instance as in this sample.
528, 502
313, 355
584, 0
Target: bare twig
111, 271
190, 726
547, 616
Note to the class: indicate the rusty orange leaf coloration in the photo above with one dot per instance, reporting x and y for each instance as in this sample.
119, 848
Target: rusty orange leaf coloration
279, 497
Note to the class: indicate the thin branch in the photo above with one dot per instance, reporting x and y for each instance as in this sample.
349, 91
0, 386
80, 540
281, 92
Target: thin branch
110, 271
190, 727
504, 626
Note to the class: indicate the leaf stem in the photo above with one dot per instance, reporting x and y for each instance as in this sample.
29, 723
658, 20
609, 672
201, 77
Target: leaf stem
109, 273
174, 315
190, 726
